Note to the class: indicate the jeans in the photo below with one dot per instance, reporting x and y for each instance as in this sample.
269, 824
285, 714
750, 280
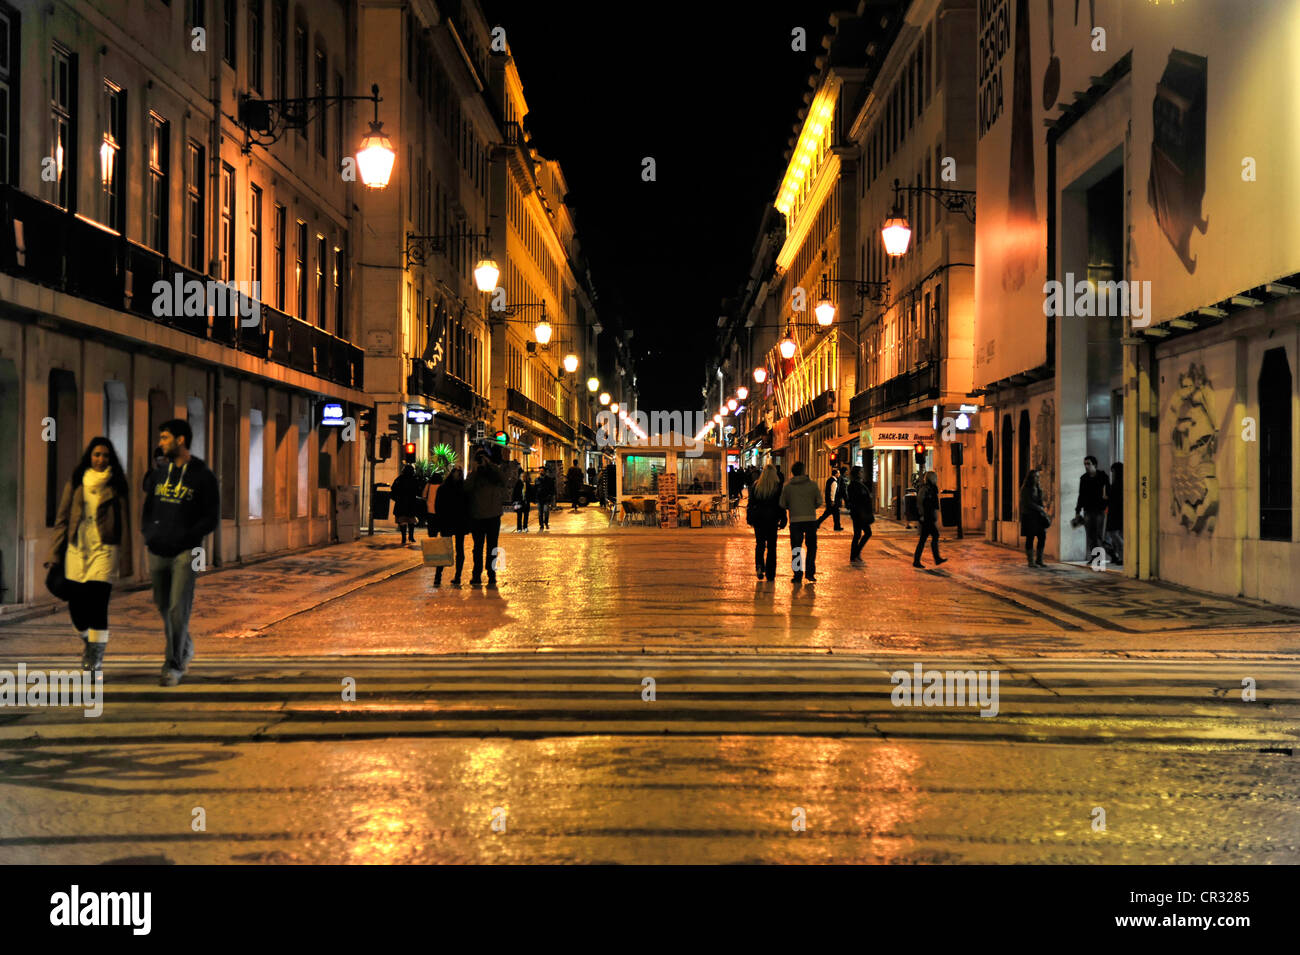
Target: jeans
521, 516
1116, 545
543, 514
486, 531
460, 559
931, 530
1094, 525
831, 511
803, 534
861, 534
173, 594
765, 551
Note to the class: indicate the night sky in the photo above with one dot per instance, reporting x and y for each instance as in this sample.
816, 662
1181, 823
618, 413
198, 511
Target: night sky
710, 91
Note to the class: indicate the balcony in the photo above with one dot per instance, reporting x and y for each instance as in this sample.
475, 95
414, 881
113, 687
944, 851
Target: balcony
445, 387
898, 392
70, 254
520, 404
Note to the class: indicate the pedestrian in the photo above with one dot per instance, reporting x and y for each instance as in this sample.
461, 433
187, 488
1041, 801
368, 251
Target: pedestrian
92, 542
591, 475
427, 496
800, 497
766, 516
182, 506
483, 489
927, 507
1091, 503
861, 513
449, 511
602, 488
834, 498
1115, 514
545, 492
1034, 519
405, 496
573, 484
523, 500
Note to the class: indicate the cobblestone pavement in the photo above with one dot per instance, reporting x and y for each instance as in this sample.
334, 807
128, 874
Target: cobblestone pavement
342, 709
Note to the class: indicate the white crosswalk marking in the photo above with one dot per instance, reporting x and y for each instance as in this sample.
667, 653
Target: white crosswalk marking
1194, 704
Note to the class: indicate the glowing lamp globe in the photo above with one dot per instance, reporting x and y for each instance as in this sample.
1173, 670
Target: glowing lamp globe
896, 234
825, 313
788, 347
486, 274
571, 364
375, 157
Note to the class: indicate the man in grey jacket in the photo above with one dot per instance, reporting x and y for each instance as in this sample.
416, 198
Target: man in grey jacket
801, 497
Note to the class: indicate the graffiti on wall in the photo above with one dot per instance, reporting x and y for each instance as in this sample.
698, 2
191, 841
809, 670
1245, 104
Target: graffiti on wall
1044, 456
1194, 481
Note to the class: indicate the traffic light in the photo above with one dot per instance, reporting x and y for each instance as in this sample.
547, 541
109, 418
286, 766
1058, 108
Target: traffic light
919, 448
397, 424
408, 452
501, 438
368, 420
385, 447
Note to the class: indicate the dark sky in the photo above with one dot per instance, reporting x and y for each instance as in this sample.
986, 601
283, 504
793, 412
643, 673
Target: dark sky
709, 90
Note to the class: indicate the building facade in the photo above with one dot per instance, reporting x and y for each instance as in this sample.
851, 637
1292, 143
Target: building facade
128, 184
1132, 301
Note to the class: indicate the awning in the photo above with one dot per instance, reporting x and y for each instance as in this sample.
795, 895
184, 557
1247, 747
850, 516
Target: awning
833, 444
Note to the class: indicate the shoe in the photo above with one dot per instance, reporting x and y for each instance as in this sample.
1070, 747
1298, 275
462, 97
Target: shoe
811, 579
797, 579
437, 583
456, 583
940, 560
1040, 564
85, 655
476, 583
917, 563
170, 678
760, 575
94, 660
189, 655
491, 585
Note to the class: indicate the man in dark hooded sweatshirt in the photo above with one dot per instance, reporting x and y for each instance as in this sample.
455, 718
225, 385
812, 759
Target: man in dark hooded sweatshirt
182, 506
485, 491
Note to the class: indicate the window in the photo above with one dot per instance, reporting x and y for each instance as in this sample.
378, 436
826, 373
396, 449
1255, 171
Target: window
226, 265
198, 422
156, 226
117, 419
1275, 447
61, 456
112, 161
278, 236
339, 313
320, 91
63, 86
255, 45
300, 269
194, 206
228, 31
321, 310
255, 239
300, 67
196, 13
256, 451
278, 51
8, 95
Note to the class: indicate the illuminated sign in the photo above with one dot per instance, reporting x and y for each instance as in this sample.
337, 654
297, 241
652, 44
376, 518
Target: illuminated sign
331, 415
416, 414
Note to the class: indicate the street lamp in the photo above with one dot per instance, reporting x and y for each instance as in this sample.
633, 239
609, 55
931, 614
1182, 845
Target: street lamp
542, 332
717, 419
760, 375
486, 274
375, 156
896, 232
604, 398
614, 407
825, 313
571, 364
593, 384
742, 392
732, 404
788, 345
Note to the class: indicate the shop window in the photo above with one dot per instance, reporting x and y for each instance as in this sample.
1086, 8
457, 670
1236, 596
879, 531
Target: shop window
1022, 465
117, 427
1275, 446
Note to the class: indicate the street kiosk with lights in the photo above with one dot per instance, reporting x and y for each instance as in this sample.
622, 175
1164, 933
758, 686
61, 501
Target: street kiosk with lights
679, 474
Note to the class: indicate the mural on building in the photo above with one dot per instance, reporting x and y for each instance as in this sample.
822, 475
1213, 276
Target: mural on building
1176, 185
1044, 455
1194, 480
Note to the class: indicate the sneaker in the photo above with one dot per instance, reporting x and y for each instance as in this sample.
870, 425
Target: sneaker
170, 678
94, 660
917, 563
941, 560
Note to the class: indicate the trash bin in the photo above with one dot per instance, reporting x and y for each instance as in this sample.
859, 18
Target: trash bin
379, 501
909, 502
346, 512
948, 509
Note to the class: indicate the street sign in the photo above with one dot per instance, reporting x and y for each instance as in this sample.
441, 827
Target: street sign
417, 414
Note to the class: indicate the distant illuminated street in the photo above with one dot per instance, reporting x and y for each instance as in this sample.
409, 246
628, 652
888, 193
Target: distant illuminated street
530, 707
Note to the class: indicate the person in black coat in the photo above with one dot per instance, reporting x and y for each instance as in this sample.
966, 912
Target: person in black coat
523, 499
450, 512
834, 497
405, 496
1034, 519
928, 508
767, 517
544, 492
861, 512
573, 483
